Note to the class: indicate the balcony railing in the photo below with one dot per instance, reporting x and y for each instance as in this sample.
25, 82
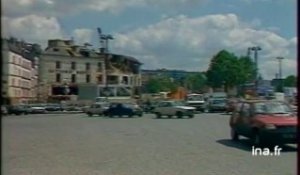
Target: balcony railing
114, 82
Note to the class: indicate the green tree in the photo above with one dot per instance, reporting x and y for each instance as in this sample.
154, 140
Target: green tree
247, 70
220, 69
195, 82
290, 81
159, 84
153, 86
229, 70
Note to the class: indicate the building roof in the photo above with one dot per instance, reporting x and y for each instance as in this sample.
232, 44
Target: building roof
27, 50
129, 58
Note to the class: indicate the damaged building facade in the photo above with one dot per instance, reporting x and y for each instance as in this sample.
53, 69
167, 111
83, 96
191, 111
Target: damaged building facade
77, 73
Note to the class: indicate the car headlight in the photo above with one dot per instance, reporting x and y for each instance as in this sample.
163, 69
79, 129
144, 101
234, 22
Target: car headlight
270, 126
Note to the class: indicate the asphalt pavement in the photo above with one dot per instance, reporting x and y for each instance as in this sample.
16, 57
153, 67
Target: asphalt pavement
75, 144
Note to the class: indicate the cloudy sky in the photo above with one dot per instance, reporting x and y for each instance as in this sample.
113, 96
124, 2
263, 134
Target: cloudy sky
173, 34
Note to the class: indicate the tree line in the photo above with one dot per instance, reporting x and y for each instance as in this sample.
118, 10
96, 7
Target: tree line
226, 70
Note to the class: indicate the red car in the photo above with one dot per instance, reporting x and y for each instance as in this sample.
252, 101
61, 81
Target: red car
264, 122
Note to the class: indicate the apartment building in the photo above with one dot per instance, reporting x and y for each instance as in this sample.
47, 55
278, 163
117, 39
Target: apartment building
72, 72
19, 71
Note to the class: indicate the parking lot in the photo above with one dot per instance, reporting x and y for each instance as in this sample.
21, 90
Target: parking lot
76, 144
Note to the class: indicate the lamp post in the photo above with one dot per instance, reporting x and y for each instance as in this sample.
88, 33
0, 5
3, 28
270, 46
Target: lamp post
280, 72
104, 39
249, 51
256, 49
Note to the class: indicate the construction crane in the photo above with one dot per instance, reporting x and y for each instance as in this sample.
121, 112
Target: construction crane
103, 38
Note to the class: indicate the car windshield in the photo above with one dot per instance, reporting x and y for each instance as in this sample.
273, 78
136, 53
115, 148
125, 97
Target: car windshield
178, 103
272, 108
195, 98
130, 105
218, 101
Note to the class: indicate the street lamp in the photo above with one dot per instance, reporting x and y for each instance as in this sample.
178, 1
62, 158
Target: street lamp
249, 51
256, 49
280, 71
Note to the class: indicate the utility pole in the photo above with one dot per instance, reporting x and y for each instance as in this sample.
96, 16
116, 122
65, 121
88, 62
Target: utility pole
249, 52
103, 38
256, 49
280, 71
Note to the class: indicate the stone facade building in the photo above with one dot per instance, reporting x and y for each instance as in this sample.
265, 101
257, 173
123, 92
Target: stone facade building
71, 72
19, 71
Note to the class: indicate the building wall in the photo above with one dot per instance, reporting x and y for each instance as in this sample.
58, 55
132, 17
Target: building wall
48, 70
67, 54
4, 84
17, 77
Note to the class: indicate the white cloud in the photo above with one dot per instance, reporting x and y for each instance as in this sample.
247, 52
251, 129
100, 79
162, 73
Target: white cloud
40, 29
189, 43
13, 8
82, 36
32, 28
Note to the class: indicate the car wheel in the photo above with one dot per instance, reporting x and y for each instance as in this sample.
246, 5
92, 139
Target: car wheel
158, 115
191, 116
179, 114
170, 116
234, 135
256, 139
89, 114
206, 110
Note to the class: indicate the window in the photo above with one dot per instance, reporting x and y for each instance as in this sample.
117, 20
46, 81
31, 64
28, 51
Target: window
88, 78
73, 78
125, 80
73, 65
87, 66
57, 65
99, 66
99, 79
58, 78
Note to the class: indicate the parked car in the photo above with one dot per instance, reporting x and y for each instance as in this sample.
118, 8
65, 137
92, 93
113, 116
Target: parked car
85, 108
18, 109
197, 101
216, 105
37, 108
294, 108
4, 110
96, 108
174, 108
148, 107
53, 107
71, 108
121, 109
264, 122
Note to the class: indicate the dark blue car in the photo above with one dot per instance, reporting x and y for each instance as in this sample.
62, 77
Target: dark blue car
119, 109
